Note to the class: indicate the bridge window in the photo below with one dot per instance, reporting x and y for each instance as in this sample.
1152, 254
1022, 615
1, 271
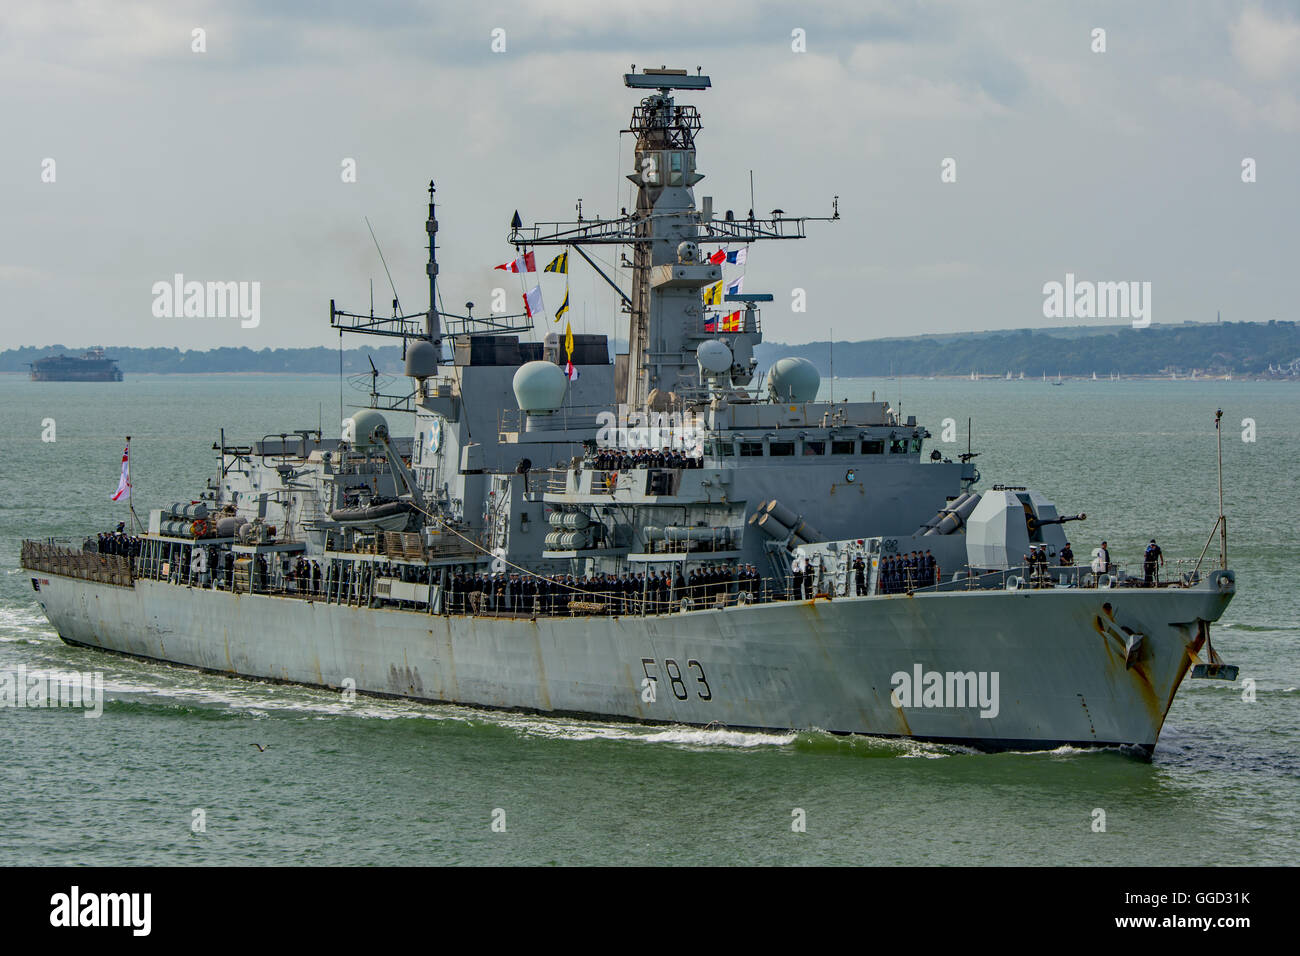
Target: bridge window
726, 449
916, 445
873, 446
780, 449
675, 169
751, 449
842, 448
898, 446
814, 447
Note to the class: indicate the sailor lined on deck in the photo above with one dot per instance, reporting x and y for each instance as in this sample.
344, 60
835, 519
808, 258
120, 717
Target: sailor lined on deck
612, 459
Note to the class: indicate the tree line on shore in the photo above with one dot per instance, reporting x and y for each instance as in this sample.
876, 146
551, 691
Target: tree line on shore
1242, 348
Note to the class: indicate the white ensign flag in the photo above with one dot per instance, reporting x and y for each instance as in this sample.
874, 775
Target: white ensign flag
124, 484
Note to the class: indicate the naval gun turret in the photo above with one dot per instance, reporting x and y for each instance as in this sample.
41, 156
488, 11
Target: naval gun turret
368, 429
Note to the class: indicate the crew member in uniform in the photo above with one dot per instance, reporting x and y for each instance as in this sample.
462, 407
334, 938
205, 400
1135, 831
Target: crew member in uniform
1151, 562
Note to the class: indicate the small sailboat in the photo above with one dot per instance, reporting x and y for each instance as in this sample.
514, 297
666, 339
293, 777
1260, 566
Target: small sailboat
1008, 375
973, 376
1094, 376
1058, 377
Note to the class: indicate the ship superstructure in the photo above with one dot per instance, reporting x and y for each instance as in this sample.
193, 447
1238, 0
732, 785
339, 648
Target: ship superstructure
666, 535
91, 366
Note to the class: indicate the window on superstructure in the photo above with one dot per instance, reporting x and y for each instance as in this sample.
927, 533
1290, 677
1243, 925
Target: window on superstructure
751, 449
842, 448
780, 449
873, 446
726, 449
916, 445
898, 446
675, 169
814, 447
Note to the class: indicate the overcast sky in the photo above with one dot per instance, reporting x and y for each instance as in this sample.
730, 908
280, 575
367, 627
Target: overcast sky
226, 164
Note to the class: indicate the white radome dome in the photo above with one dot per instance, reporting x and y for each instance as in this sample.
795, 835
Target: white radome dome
713, 356
794, 380
421, 359
539, 387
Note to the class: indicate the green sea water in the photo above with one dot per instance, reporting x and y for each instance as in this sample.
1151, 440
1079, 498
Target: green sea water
389, 782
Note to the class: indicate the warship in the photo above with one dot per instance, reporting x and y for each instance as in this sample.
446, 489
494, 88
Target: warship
92, 366
662, 536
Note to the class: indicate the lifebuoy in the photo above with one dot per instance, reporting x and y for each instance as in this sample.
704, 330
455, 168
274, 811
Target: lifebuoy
199, 528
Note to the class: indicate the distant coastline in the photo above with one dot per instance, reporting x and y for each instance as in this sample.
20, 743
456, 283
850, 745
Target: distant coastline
1255, 350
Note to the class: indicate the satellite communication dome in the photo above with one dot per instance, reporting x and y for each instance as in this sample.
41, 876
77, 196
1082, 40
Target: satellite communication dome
713, 356
794, 380
688, 252
359, 428
540, 386
421, 359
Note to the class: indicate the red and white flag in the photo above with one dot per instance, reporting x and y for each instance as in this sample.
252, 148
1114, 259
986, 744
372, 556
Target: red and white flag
718, 257
525, 263
124, 484
533, 301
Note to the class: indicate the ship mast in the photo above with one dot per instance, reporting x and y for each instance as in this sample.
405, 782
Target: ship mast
665, 228
432, 323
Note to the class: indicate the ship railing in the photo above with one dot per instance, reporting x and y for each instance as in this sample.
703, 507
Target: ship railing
57, 558
408, 545
1177, 573
585, 418
586, 601
721, 324
556, 481
660, 482
455, 326
719, 540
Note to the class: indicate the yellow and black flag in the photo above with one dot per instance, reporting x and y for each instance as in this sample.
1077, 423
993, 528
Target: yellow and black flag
564, 306
713, 294
559, 264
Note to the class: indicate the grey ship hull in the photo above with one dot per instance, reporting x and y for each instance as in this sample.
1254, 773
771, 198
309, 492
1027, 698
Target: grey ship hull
824, 664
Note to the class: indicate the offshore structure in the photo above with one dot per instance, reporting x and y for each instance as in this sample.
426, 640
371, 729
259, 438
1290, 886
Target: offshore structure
91, 366
666, 537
